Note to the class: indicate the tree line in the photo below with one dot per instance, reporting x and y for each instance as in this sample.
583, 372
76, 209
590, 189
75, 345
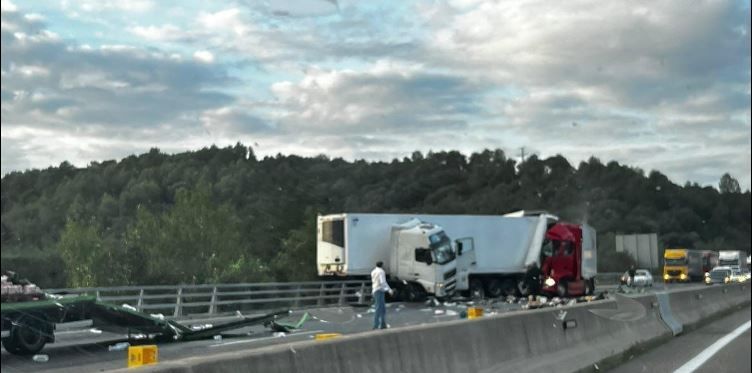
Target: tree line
222, 215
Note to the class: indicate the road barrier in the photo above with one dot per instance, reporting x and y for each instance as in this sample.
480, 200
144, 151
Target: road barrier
179, 301
568, 339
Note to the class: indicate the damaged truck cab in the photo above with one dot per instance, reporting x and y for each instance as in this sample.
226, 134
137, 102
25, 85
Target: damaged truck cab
568, 260
418, 256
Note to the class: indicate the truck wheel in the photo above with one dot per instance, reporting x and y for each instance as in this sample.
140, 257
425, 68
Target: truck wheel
562, 289
476, 289
588, 287
413, 293
26, 336
495, 288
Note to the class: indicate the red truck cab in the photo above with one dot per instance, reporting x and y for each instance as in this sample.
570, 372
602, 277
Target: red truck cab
562, 262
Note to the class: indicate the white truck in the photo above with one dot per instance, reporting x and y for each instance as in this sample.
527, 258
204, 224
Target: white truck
418, 256
733, 259
489, 254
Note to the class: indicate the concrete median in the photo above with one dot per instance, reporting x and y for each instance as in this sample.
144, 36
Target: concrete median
564, 339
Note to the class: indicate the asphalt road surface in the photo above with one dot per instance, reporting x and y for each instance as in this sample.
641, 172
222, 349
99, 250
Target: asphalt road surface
87, 351
678, 352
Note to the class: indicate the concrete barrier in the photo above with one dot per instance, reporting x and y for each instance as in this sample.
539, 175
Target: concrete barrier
693, 306
556, 339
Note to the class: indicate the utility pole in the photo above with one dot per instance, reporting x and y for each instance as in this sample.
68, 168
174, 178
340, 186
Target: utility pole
522, 154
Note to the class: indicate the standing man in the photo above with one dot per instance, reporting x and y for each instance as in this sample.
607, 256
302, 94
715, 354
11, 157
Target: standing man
631, 273
379, 287
532, 279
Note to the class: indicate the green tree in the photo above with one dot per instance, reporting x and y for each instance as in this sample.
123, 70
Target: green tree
728, 184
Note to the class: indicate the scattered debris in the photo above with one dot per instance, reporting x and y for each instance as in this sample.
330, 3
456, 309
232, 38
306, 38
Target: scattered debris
41, 358
118, 346
438, 312
451, 313
159, 316
359, 315
280, 334
218, 337
95, 331
129, 307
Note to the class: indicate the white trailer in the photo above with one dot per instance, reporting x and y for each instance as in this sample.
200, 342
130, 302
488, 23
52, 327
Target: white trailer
733, 259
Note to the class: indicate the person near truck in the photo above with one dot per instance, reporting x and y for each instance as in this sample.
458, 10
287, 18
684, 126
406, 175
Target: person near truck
379, 288
631, 273
532, 278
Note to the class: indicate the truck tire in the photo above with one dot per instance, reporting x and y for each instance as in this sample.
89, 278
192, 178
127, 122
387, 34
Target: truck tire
495, 288
413, 293
588, 287
26, 337
476, 289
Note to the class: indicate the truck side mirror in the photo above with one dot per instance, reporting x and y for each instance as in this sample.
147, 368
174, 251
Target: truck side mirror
459, 248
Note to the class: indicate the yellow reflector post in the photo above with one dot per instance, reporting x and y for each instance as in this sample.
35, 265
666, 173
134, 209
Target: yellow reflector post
474, 312
323, 336
142, 355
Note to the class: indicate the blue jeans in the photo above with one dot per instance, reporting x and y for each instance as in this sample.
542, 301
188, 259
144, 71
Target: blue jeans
379, 318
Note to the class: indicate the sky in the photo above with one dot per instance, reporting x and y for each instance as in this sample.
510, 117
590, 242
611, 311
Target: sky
659, 85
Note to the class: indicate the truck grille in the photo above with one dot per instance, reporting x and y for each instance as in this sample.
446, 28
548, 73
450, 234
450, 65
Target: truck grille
450, 286
450, 274
673, 273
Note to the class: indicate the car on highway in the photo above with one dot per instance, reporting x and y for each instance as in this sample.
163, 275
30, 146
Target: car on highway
738, 276
719, 275
642, 278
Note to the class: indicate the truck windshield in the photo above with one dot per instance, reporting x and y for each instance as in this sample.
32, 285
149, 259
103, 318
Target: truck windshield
676, 262
728, 262
442, 248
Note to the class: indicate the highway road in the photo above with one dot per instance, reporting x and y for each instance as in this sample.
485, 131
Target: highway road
84, 350
695, 347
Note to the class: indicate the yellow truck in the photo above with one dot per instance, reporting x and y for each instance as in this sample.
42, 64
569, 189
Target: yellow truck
680, 264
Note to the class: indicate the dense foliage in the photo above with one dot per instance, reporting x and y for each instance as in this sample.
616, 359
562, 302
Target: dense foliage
222, 215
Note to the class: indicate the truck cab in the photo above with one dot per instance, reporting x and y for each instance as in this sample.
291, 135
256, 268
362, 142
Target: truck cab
568, 260
419, 257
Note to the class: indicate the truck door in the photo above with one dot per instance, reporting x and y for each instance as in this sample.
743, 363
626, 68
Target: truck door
465, 261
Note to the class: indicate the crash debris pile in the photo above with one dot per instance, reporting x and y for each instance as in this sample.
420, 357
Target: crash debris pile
19, 290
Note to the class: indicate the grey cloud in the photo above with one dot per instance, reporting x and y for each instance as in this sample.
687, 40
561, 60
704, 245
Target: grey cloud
109, 86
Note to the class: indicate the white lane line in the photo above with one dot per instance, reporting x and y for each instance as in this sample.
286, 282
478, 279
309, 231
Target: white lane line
707, 353
263, 339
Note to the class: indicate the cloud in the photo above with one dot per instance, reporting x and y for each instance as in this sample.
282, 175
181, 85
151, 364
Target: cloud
386, 98
654, 85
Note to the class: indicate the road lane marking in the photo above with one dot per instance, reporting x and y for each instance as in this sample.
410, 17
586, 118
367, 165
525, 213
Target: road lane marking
707, 353
263, 339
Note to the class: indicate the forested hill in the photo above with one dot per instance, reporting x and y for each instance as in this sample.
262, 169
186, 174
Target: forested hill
223, 215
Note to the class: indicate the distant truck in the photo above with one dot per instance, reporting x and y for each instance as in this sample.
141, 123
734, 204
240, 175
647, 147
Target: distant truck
491, 253
709, 260
733, 259
680, 264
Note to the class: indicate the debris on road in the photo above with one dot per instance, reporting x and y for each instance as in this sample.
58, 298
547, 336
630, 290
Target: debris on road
41, 358
118, 346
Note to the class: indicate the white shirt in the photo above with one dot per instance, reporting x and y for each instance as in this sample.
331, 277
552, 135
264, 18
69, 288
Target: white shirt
378, 280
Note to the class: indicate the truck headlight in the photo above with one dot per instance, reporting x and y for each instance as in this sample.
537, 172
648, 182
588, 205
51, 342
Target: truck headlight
439, 285
683, 276
707, 280
707, 274
665, 276
550, 282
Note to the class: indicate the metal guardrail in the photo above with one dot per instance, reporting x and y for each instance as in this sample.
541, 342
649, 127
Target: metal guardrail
177, 301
